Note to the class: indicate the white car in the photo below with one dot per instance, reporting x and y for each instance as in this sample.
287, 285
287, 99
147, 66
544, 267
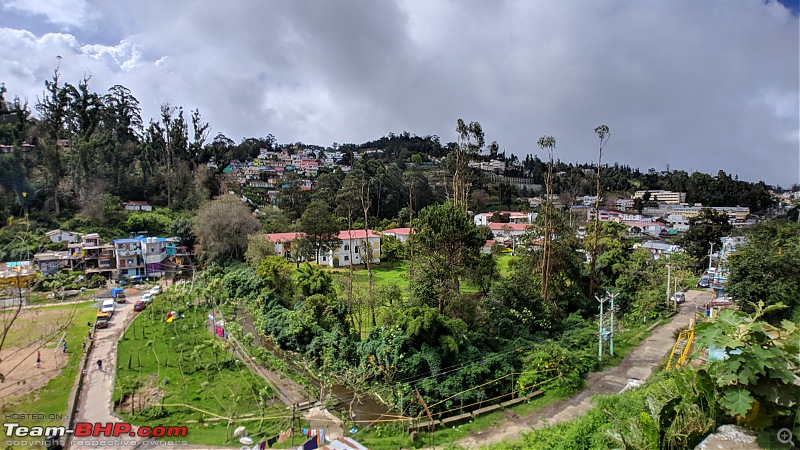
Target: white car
147, 298
155, 291
107, 306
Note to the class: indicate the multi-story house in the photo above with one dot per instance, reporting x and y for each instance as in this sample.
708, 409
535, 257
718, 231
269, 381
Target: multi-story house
512, 216
155, 256
661, 196
63, 236
130, 258
354, 248
97, 257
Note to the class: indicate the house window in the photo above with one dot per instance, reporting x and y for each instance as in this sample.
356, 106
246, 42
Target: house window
324, 258
346, 247
346, 258
356, 249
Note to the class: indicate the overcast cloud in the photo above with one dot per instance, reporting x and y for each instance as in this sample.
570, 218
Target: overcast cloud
691, 84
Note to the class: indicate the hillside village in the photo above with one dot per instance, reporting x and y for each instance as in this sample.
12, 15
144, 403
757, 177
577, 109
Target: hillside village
386, 294
140, 256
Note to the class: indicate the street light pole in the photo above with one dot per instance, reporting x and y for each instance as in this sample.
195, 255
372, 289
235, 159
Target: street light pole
668, 281
600, 349
710, 252
611, 342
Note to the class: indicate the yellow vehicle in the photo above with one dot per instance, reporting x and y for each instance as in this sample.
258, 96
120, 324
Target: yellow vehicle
102, 320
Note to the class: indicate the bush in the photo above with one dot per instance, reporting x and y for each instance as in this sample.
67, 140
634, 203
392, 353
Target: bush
551, 366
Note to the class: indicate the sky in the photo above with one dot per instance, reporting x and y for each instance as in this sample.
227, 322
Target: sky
695, 85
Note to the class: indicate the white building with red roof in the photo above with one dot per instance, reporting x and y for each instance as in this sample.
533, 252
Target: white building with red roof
401, 234
354, 247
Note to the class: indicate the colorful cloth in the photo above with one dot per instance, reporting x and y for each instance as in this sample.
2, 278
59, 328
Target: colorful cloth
283, 436
311, 444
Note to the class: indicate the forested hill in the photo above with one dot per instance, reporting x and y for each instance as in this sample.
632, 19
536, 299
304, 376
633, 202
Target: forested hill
76, 146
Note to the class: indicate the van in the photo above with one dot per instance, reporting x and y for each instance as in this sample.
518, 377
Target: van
108, 306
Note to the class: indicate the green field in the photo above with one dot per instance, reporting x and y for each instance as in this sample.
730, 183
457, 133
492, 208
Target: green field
182, 374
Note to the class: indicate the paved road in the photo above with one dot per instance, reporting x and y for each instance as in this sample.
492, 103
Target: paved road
639, 364
94, 404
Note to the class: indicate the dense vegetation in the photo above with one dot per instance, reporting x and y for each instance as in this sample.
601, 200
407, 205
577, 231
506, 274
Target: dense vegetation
755, 387
454, 332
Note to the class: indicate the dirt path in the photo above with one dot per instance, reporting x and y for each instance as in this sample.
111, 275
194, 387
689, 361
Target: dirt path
292, 393
638, 364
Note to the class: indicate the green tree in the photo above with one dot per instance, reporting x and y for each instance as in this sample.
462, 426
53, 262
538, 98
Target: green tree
446, 243
604, 134
705, 229
765, 267
312, 280
53, 110
222, 227
277, 275
392, 250
258, 248
756, 382
318, 224
470, 143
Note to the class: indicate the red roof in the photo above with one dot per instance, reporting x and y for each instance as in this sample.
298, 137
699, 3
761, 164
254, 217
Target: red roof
400, 231
343, 235
512, 226
282, 237
356, 234
489, 243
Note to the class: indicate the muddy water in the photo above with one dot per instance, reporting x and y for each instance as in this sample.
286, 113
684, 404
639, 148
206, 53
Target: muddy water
365, 410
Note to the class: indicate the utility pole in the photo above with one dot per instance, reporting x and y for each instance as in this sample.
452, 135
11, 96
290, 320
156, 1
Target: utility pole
294, 409
668, 281
675, 292
611, 343
710, 252
600, 349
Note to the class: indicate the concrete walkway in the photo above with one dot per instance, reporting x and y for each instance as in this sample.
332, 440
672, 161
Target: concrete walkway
638, 364
94, 404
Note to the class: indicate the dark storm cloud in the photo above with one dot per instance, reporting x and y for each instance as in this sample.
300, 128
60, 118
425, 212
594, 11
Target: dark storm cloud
702, 85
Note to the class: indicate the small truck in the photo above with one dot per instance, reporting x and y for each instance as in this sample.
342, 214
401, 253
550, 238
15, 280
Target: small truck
118, 294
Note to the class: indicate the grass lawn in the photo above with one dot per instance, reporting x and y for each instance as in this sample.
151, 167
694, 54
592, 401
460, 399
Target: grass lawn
184, 365
387, 274
384, 274
51, 400
503, 262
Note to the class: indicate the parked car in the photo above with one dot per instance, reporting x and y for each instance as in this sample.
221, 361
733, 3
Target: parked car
107, 306
139, 305
155, 290
147, 298
679, 297
704, 282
